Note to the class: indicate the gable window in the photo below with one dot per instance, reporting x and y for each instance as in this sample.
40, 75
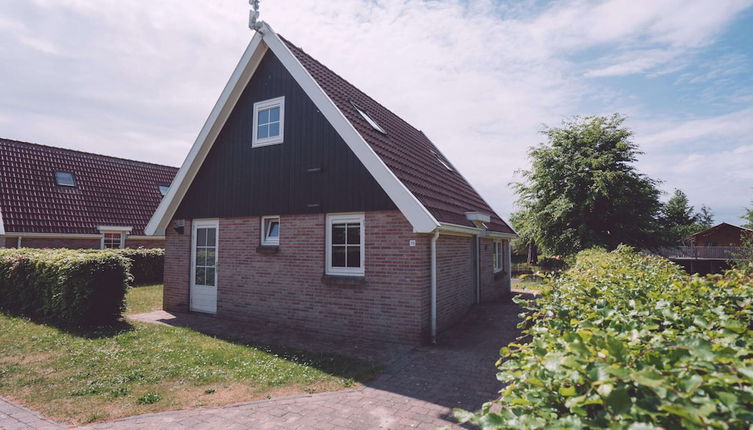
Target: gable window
270, 230
269, 122
65, 179
112, 240
163, 189
345, 245
375, 125
498, 255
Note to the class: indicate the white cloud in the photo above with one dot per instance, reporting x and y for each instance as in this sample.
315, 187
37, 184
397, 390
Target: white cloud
138, 78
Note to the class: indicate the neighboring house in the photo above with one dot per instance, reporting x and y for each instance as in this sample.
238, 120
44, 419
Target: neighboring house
305, 203
710, 250
59, 198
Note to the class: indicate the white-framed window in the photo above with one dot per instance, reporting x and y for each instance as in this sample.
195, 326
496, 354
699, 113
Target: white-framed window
498, 255
113, 240
270, 230
269, 122
65, 179
345, 245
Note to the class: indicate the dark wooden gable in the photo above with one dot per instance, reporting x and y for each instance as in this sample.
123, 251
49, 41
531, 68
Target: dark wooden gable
312, 171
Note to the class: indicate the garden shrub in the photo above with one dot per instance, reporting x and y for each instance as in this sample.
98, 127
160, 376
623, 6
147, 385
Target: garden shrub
64, 287
147, 264
627, 341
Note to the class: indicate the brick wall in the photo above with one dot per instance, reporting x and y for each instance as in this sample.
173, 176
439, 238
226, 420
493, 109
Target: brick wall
42, 242
456, 285
151, 243
286, 287
175, 296
73, 243
493, 286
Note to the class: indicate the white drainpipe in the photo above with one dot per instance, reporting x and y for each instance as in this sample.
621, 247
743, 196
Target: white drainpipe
434, 286
18, 242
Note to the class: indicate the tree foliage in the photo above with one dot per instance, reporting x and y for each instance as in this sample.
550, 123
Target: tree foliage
678, 218
626, 341
748, 217
583, 190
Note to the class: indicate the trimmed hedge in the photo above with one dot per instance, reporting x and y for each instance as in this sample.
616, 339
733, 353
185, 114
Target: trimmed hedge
147, 264
64, 287
627, 341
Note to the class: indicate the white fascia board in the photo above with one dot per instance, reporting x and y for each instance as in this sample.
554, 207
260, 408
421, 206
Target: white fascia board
415, 212
207, 136
114, 228
455, 228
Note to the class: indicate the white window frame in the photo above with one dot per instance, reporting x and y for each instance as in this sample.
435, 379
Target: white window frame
342, 219
498, 256
106, 232
260, 106
265, 239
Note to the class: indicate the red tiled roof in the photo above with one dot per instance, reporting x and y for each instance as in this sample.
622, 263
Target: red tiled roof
109, 191
406, 151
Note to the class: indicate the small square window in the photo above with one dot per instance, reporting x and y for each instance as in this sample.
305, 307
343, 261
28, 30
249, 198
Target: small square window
269, 122
345, 247
270, 231
65, 179
112, 240
163, 189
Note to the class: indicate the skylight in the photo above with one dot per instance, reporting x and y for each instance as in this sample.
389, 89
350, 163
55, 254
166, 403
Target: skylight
369, 119
444, 163
65, 179
163, 189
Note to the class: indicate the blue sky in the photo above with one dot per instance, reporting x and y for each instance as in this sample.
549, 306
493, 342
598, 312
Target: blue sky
137, 79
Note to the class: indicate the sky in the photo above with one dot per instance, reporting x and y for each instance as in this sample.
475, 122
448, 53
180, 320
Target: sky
138, 78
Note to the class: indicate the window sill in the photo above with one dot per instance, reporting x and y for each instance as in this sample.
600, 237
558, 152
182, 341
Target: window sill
500, 274
343, 280
268, 249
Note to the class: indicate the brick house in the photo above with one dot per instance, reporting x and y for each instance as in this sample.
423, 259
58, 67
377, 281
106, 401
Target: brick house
59, 198
307, 204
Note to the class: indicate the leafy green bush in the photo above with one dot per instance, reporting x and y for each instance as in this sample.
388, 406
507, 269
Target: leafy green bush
147, 264
65, 287
627, 341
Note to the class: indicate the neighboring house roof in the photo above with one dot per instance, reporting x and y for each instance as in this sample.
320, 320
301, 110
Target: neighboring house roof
716, 228
423, 184
108, 191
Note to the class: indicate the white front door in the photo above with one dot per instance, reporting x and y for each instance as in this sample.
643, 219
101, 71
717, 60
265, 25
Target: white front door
204, 240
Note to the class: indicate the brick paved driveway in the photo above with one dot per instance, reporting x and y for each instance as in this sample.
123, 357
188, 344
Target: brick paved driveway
418, 389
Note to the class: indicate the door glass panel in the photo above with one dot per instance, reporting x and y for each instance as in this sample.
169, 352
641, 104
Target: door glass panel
206, 253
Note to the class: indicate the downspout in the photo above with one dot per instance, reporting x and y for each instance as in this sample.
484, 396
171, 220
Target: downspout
18, 242
434, 286
478, 269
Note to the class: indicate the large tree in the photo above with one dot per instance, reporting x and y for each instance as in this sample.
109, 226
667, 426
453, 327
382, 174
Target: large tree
583, 190
678, 218
748, 217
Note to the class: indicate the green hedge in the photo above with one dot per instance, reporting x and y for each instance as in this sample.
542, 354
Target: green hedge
147, 264
627, 341
64, 287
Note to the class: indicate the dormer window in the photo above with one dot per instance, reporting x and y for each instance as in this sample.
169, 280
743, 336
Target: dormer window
375, 125
163, 189
65, 179
269, 122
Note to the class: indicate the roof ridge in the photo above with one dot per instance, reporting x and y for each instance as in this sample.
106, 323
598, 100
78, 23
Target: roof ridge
58, 148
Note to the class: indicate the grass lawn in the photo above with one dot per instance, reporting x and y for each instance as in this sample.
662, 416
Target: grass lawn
530, 283
138, 368
144, 299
